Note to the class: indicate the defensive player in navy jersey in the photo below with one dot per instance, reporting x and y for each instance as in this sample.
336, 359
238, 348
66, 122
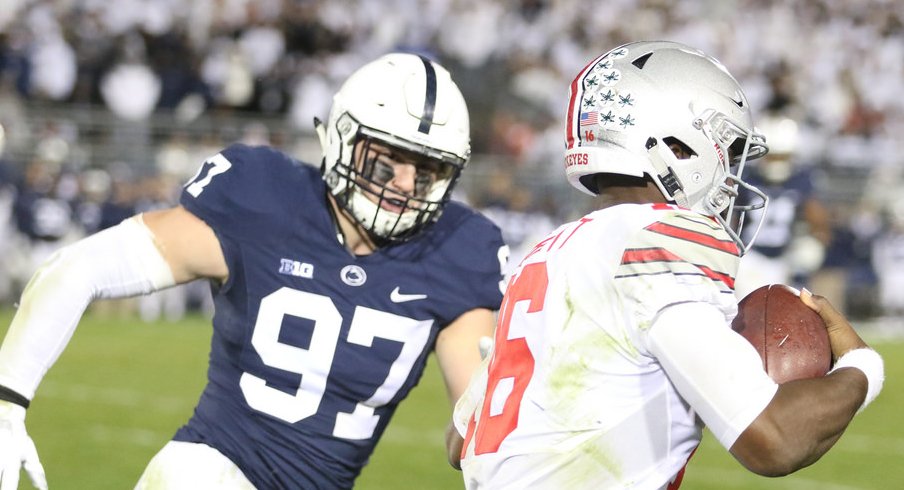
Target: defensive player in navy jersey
331, 289
791, 242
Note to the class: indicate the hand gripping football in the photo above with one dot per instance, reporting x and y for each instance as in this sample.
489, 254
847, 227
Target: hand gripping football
790, 337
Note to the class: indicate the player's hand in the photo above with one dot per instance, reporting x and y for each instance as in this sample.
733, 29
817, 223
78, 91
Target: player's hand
842, 335
17, 449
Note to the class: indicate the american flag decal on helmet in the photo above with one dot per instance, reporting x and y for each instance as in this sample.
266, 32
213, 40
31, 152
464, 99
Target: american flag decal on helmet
589, 92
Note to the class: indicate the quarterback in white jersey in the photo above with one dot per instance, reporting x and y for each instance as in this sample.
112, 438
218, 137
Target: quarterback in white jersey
581, 384
613, 345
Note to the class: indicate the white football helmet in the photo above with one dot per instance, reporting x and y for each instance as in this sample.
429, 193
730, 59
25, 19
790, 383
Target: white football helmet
410, 104
783, 135
628, 106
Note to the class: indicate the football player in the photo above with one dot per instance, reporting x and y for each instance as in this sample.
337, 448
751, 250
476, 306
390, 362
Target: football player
791, 242
331, 288
613, 344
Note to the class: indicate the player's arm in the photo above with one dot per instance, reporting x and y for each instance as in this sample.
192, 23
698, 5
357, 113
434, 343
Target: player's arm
142, 254
137, 256
188, 245
770, 429
807, 417
458, 356
819, 221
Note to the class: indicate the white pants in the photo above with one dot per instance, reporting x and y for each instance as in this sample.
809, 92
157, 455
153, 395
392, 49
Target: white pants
191, 466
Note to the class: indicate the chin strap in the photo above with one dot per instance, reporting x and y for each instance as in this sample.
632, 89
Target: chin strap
665, 177
330, 206
320, 129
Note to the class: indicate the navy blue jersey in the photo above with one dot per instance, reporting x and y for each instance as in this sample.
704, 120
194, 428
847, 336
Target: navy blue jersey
786, 200
313, 348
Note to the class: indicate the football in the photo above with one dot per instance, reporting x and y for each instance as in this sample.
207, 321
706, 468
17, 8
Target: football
790, 337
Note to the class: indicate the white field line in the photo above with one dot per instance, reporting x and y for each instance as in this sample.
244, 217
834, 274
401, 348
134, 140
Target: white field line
406, 436
395, 434
859, 443
888, 329
106, 434
116, 397
120, 399
723, 478
135, 399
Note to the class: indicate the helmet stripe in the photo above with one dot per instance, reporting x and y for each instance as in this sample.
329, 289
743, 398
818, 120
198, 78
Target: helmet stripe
429, 97
572, 128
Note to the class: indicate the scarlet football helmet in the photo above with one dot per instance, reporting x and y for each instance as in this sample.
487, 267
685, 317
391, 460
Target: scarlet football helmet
630, 106
409, 104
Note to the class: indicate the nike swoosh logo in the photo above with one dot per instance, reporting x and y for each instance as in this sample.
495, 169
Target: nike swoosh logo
397, 297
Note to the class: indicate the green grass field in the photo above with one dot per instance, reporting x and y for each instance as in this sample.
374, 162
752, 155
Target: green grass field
123, 387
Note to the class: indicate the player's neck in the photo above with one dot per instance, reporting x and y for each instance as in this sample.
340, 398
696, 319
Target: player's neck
615, 190
609, 199
349, 233
357, 241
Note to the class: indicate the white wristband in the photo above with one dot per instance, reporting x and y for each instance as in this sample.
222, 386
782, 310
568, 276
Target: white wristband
870, 363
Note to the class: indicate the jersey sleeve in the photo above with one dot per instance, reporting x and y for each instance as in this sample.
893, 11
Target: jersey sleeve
241, 190
476, 255
680, 257
487, 277
713, 368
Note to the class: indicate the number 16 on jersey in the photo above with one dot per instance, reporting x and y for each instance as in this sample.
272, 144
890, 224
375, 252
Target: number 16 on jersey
512, 364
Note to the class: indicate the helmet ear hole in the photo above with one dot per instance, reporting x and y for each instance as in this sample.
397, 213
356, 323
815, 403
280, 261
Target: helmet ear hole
681, 150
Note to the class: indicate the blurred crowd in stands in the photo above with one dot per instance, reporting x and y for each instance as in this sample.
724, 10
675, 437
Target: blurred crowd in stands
107, 107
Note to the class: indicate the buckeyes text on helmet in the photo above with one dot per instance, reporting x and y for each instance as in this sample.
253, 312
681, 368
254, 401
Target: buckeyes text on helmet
405, 102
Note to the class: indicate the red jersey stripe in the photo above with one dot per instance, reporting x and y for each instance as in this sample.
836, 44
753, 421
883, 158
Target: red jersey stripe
648, 255
695, 237
717, 276
633, 256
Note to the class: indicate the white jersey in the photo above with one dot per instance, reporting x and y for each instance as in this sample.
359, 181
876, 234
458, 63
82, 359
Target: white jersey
572, 397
